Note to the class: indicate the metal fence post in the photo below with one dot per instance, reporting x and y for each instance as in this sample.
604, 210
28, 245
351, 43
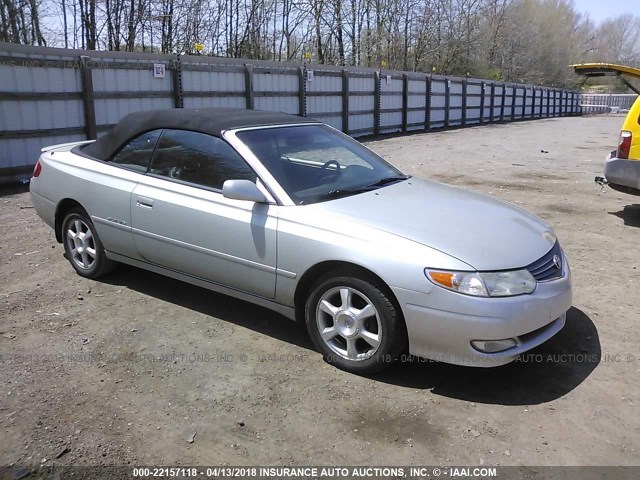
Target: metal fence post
248, 86
376, 103
463, 119
570, 103
482, 87
513, 101
572, 100
578, 105
447, 101
176, 83
427, 103
573, 103
540, 103
345, 101
88, 100
492, 101
504, 99
524, 103
302, 92
561, 107
405, 101
548, 110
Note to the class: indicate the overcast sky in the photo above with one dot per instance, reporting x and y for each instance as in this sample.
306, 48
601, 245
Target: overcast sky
600, 10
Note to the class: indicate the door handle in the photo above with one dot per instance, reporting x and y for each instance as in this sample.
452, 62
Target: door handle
144, 202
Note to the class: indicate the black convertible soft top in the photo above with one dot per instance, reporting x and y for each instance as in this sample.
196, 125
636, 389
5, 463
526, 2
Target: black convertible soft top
204, 120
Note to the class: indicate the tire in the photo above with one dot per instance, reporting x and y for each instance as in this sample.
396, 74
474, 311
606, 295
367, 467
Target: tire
83, 247
364, 331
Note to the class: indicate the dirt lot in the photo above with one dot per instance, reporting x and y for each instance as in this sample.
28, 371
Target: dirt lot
114, 371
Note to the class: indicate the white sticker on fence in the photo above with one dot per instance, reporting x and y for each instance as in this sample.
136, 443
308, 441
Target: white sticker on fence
158, 70
309, 75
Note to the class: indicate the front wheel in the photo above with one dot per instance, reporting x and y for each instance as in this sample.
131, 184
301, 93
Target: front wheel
83, 247
354, 323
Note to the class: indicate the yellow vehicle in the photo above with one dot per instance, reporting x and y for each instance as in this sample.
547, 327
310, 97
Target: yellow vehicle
622, 168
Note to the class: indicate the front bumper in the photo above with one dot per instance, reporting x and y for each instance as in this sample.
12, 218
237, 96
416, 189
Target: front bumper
442, 324
623, 175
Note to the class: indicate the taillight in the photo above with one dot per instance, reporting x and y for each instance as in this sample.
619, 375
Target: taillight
624, 144
37, 169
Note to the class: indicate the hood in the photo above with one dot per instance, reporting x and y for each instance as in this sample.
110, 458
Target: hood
482, 231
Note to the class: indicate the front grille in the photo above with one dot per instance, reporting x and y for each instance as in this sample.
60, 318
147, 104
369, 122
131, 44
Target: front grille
545, 269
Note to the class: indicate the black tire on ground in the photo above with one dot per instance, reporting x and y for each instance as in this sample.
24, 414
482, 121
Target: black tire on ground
86, 254
387, 323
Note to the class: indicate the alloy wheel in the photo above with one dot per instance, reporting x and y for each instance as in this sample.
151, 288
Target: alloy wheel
80, 243
349, 323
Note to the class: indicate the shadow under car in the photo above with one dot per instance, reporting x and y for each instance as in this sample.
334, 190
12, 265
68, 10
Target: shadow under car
540, 375
543, 374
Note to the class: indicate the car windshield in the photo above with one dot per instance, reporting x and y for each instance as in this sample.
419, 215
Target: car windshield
314, 163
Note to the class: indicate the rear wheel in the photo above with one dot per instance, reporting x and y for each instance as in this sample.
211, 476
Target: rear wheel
354, 324
83, 247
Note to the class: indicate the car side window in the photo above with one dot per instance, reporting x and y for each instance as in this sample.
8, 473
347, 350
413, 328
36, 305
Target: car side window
198, 158
136, 154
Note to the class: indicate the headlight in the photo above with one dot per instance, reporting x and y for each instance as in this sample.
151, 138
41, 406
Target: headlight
506, 284
463, 282
484, 284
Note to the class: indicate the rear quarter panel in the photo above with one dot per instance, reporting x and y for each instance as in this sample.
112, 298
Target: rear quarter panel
104, 191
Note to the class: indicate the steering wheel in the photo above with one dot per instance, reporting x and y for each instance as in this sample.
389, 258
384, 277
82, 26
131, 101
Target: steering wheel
332, 162
175, 172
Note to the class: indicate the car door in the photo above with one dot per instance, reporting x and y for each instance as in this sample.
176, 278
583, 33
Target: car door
181, 220
107, 189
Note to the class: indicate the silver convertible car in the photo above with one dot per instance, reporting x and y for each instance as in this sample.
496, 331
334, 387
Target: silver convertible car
292, 215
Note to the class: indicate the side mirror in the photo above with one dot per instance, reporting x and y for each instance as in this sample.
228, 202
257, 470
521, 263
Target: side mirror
243, 190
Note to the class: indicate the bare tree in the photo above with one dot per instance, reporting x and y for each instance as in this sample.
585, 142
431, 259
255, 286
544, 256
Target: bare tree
21, 22
515, 40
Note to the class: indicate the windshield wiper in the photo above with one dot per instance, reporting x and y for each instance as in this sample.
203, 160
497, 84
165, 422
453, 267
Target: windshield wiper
345, 192
341, 192
387, 180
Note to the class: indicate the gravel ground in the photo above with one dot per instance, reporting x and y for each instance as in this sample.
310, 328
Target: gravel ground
126, 370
